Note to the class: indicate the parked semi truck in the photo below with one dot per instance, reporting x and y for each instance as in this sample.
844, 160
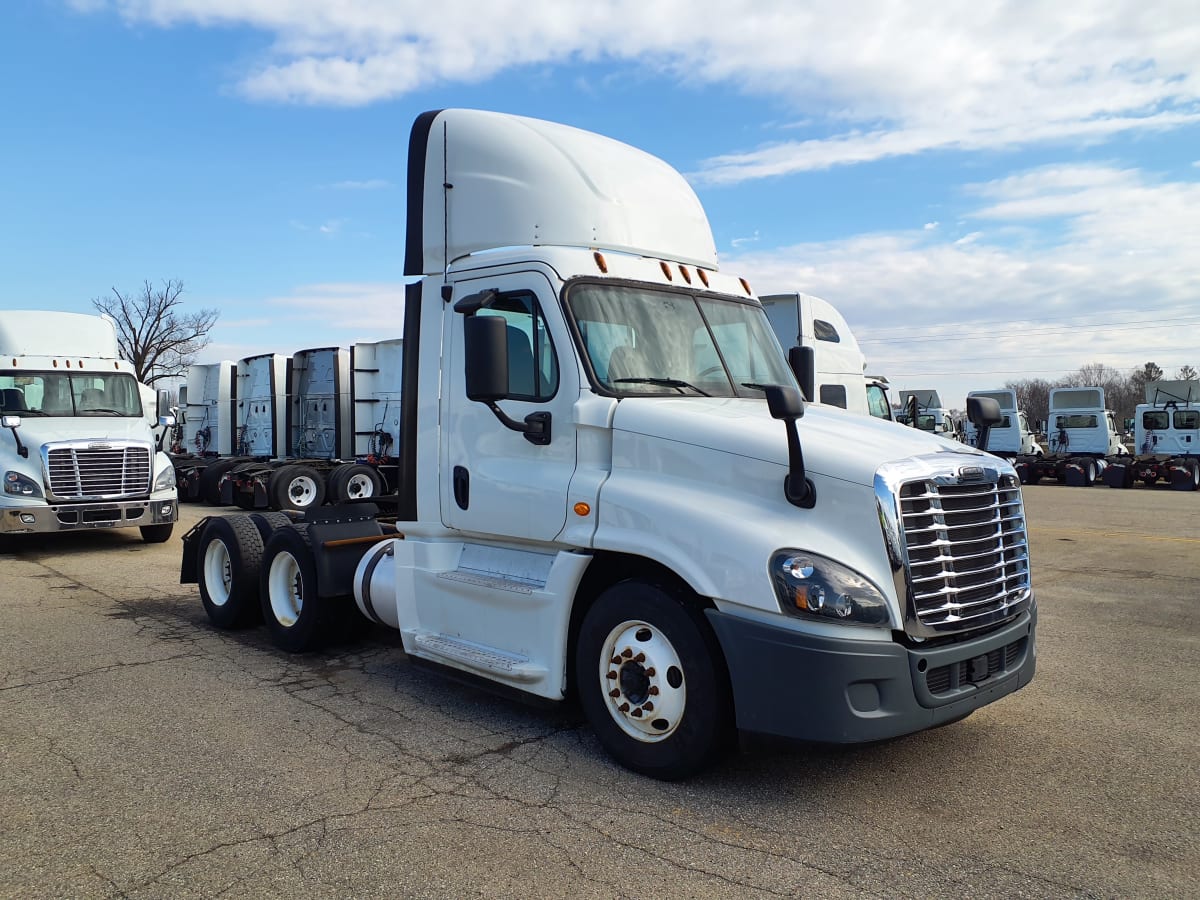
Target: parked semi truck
922, 408
80, 451
825, 354
1082, 438
1166, 439
1012, 437
610, 487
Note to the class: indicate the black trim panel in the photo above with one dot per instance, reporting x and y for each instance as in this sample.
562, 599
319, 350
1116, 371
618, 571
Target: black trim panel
418, 147
406, 487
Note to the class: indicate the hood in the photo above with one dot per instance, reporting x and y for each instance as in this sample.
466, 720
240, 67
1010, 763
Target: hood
36, 430
836, 443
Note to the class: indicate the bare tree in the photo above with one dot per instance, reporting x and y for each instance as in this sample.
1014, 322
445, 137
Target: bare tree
1033, 396
1187, 373
154, 335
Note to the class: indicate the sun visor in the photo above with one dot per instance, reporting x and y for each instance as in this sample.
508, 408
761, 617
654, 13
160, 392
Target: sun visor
483, 180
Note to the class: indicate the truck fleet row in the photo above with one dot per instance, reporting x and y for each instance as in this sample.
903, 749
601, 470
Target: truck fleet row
609, 486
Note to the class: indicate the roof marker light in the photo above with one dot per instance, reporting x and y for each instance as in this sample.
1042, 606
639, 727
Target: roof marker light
703, 276
666, 270
687, 276
746, 287
601, 262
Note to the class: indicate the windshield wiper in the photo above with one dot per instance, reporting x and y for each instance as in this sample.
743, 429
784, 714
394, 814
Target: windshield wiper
103, 410
755, 385
676, 383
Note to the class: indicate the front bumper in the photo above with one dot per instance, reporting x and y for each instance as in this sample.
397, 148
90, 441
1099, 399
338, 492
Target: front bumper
29, 519
842, 691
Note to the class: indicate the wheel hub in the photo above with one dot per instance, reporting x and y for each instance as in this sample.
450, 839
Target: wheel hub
642, 680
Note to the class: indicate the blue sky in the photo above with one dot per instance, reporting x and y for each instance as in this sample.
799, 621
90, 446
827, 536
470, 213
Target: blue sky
987, 191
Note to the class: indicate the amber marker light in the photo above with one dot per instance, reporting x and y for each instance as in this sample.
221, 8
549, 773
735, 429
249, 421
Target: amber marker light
687, 276
582, 509
601, 262
746, 286
703, 276
666, 270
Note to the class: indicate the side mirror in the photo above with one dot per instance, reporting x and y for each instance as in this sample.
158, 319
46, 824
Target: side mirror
486, 341
983, 411
167, 421
10, 422
162, 404
785, 403
803, 361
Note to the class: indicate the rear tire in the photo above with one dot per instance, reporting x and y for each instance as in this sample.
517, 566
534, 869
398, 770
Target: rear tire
664, 708
354, 481
297, 617
156, 534
296, 487
230, 554
210, 480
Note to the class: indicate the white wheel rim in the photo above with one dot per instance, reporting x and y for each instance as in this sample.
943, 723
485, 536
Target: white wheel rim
641, 679
218, 572
285, 586
302, 490
360, 486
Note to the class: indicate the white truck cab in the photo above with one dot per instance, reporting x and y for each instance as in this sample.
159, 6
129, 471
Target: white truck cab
81, 452
1080, 423
922, 408
610, 487
1013, 436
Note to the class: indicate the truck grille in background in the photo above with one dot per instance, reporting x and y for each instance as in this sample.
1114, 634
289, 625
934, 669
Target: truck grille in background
968, 555
81, 473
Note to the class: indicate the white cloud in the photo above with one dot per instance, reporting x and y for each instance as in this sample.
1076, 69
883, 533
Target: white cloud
370, 184
1119, 284
931, 226
738, 243
884, 78
332, 227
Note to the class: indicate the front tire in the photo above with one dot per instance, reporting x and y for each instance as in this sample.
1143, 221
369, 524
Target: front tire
156, 534
652, 681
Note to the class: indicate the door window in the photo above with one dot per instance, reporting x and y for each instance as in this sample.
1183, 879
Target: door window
532, 364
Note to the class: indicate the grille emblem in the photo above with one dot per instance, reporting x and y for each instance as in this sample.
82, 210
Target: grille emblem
970, 473
99, 446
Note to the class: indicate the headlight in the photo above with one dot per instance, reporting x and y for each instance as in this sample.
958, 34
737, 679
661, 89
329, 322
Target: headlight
21, 486
808, 585
165, 480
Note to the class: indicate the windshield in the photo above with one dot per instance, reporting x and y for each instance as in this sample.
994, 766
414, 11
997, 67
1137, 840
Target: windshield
69, 394
642, 340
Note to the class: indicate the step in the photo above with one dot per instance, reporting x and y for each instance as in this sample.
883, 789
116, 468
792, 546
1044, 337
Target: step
476, 656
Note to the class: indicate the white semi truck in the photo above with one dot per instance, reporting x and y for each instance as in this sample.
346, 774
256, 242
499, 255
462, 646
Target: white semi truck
922, 408
81, 452
1012, 437
1082, 437
1166, 439
824, 354
610, 488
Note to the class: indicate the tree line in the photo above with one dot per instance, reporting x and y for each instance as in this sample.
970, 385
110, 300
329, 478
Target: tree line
1123, 391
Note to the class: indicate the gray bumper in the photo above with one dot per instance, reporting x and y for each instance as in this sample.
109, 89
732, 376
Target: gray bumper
81, 516
843, 691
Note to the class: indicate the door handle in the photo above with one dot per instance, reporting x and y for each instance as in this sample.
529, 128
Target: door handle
462, 487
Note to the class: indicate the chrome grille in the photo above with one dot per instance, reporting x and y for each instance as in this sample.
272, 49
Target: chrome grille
81, 472
966, 550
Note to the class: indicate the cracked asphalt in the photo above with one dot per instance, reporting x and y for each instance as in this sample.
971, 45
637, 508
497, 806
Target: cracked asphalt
145, 754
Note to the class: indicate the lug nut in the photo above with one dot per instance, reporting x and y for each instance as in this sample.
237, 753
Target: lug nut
627, 653
616, 660
611, 674
615, 692
624, 707
648, 707
650, 672
640, 658
637, 713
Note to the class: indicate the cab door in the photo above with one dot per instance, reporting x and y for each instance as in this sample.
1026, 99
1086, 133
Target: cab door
494, 481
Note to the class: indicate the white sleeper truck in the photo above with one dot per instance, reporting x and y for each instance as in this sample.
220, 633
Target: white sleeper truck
1012, 437
611, 489
80, 451
824, 354
922, 408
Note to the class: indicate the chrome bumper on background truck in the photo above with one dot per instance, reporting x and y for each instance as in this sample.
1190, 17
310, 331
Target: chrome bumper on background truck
80, 516
833, 690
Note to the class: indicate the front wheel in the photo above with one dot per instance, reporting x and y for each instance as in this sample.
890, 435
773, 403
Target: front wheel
652, 681
157, 534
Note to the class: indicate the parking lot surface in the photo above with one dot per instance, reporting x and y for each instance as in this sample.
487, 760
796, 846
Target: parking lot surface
145, 754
